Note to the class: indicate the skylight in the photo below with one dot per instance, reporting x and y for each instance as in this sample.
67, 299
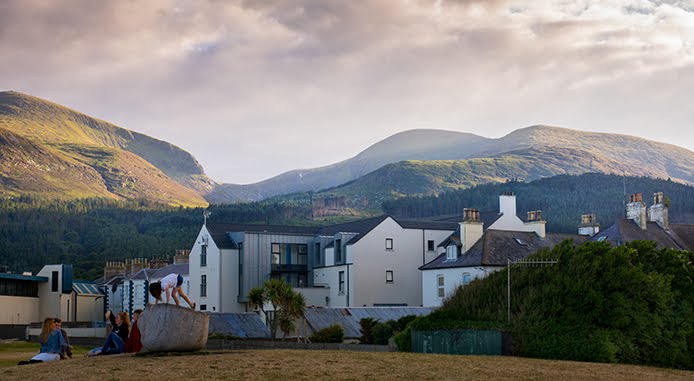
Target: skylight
520, 241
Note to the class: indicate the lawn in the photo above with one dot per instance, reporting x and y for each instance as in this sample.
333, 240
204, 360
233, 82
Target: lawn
333, 365
12, 352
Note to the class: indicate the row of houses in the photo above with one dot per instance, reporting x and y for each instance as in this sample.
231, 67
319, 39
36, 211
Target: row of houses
376, 262
387, 261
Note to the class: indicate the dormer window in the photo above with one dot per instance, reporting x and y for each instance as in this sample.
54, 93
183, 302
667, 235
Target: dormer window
451, 252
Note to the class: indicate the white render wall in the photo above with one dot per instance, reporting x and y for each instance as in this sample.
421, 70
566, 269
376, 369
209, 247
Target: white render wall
212, 298
372, 260
329, 276
453, 277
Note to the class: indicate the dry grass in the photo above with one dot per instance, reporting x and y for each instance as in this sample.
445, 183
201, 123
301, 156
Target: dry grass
333, 365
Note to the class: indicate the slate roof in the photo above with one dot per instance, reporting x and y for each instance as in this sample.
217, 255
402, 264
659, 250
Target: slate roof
114, 280
496, 247
320, 317
243, 325
488, 217
178, 268
679, 236
143, 274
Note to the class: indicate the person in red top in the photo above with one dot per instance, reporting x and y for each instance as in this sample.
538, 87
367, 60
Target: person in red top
133, 344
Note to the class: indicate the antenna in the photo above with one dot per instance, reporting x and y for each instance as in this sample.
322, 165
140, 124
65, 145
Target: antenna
206, 214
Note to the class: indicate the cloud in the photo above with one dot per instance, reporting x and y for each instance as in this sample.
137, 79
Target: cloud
253, 89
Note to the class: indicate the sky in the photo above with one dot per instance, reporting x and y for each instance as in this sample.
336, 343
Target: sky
256, 88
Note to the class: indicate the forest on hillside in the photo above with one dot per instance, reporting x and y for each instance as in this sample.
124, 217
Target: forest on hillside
562, 199
88, 232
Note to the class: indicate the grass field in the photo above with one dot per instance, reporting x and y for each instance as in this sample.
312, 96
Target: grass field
317, 365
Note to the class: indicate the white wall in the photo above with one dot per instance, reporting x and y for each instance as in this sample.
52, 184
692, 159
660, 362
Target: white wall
453, 277
330, 276
52, 303
19, 310
315, 296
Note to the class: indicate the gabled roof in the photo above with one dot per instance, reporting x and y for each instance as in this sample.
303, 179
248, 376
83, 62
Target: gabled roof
219, 232
114, 280
488, 217
496, 247
178, 268
143, 274
679, 237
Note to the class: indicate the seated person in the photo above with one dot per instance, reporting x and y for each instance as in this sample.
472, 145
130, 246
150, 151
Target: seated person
115, 340
171, 284
52, 344
133, 344
67, 353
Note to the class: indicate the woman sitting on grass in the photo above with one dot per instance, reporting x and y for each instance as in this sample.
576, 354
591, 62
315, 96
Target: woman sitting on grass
52, 344
115, 341
171, 285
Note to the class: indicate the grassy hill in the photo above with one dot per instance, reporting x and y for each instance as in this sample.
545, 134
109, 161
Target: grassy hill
437, 160
50, 150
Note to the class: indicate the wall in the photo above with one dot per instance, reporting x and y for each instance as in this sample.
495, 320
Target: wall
329, 276
51, 302
18, 310
315, 296
89, 308
453, 277
211, 271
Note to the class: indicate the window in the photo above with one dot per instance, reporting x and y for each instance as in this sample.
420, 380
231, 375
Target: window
54, 281
203, 255
203, 307
275, 253
520, 241
302, 254
451, 252
600, 239
389, 244
338, 250
389, 276
466, 278
203, 286
440, 289
430, 245
341, 282
316, 259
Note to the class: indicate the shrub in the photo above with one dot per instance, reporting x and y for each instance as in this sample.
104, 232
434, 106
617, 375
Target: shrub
331, 334
367, 330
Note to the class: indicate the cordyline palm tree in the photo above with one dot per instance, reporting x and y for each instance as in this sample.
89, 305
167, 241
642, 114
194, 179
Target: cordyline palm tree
287, 305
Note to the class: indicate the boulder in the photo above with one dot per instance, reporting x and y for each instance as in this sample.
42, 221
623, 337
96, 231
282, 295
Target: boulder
170, 328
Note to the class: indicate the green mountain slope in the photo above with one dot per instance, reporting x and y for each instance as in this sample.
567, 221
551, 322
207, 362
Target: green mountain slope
50, 150
559, 148
421, 178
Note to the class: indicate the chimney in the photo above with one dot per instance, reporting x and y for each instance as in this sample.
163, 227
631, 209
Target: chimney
112, 269
658, 212
636, 210
471, 229
589, 225
507, 204
536, 223
181, 256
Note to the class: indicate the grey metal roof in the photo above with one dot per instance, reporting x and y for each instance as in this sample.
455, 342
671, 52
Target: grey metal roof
81, 288
319, 318
243, 325
496, 247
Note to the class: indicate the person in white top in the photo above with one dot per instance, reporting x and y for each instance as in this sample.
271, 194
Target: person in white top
171, 285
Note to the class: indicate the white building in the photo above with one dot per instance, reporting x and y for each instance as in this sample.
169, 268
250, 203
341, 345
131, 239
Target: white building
368, 262
474, 251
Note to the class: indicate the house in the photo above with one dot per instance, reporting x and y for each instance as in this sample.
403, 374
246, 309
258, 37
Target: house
27, 298
474, 252
370, 262
650, 224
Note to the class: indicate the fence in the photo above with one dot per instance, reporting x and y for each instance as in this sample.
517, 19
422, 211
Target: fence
459, 342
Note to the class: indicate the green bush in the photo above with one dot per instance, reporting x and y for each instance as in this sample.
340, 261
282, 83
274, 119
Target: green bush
332, 334
367, 330
628, 304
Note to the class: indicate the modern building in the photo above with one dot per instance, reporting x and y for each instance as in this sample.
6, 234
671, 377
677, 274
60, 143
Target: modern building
369, 262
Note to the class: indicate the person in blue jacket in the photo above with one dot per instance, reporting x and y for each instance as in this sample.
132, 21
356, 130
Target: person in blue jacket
52, 344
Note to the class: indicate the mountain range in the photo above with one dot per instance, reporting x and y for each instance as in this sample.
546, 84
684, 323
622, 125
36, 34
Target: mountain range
50, 150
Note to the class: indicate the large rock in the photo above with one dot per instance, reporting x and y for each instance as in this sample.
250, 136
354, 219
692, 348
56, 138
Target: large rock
170, 328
